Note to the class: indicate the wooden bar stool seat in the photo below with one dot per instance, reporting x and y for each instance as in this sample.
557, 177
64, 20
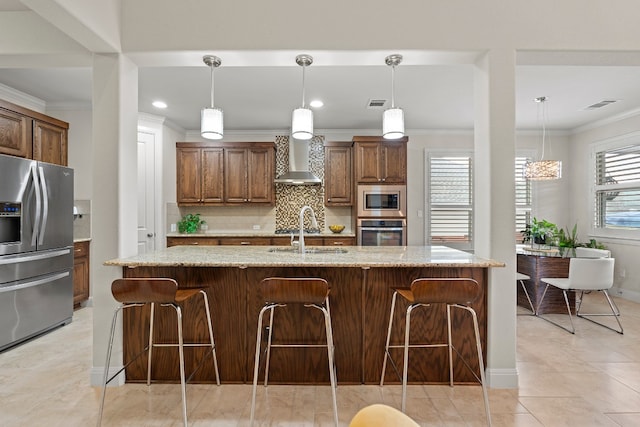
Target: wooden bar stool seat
455, 293
139, 292
279, 292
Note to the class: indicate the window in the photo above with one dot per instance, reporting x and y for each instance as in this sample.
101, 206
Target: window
617, 189
523, 198
450, 200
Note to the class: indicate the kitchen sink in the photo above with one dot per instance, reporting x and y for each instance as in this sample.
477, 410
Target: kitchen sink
310, 250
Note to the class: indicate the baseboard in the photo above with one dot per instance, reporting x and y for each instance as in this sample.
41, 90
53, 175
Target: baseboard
502, 378
97, 376
625, 294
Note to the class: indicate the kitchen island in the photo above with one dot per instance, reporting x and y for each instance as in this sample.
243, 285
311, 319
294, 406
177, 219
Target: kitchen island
361, 281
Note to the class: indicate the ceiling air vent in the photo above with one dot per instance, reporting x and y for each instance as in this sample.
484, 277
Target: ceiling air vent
601, 104
376, 103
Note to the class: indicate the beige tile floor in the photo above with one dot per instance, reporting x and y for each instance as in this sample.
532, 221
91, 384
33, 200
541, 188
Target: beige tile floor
588, 379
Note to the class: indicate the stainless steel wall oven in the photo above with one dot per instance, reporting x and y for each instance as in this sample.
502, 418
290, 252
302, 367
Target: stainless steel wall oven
382, 232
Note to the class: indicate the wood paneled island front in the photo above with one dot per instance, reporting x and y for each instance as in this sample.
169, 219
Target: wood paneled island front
361, 280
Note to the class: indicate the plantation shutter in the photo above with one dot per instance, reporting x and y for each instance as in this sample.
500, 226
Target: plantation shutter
450, 196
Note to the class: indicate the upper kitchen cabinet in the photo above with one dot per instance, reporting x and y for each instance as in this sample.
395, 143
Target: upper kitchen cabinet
32, 135
338, 173
380, 161
217, 173
199, 174
249, 173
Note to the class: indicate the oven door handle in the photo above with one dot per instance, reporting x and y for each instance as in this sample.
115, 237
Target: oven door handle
382, 228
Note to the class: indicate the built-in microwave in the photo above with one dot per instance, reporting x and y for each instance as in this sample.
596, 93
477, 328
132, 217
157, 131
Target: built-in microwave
389, 201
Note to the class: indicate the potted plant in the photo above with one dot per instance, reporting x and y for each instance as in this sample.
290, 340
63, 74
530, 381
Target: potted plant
568, 241
190, 223
541, 232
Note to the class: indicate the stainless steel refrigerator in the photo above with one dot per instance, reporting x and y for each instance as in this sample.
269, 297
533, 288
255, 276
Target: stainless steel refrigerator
36, 248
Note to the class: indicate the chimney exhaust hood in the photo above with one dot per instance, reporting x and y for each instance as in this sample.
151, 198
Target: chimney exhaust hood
298, 173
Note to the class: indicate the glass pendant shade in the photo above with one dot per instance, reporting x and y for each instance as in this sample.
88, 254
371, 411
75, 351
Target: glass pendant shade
543, 170
211, 123
393, 123
302, 123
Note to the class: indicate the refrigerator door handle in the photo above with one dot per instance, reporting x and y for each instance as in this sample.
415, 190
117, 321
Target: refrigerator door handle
32, 283
13, 259
36, 221
45, 204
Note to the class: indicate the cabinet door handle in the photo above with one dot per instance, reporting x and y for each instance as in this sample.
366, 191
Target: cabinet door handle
195, 243
338, 243
245, 243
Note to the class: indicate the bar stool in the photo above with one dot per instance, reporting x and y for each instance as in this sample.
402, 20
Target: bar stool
279, 292
455, 292
139, 292
521, 278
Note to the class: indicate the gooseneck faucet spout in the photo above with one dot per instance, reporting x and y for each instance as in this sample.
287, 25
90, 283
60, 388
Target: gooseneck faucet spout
314, 224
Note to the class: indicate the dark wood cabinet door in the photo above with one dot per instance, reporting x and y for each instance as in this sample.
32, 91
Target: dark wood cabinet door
49, 143
15, 134
260, 185
212, 175
338, 184
80, 273
394, 162
235, 166
368, 162
188, 173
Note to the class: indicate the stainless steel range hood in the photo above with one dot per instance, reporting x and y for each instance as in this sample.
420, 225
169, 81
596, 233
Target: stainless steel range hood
298, 173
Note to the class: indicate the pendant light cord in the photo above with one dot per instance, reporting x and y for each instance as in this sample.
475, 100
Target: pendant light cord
211, 66
544, 128
303, 73
393, 80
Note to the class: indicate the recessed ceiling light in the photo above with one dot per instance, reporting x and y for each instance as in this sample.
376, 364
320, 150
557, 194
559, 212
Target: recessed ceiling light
316, 103
159, 104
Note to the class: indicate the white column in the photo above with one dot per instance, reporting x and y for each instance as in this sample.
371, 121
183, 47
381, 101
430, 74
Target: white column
114, 217
494, 228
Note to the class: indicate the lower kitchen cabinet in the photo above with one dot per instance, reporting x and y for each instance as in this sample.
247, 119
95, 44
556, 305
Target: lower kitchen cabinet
184, 241
80, 272
260, 241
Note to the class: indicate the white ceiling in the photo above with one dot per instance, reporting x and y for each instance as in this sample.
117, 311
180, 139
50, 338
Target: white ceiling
432, 96
258, 90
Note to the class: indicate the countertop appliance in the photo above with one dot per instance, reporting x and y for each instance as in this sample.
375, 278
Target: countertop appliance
36, 248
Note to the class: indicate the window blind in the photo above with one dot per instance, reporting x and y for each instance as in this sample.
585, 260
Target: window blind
617, 188
451, 201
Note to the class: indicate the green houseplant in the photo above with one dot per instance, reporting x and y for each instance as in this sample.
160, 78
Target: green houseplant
568, 241
189, 223
541, 231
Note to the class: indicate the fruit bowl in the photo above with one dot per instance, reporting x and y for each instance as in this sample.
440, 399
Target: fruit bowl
336, 228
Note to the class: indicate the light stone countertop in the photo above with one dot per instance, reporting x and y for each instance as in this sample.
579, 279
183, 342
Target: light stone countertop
260, 256
258, 233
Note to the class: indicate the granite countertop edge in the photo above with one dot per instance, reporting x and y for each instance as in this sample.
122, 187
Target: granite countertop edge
260, 256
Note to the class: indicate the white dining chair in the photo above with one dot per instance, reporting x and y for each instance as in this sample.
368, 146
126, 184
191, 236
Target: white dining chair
592, 253
585, 274
521, 278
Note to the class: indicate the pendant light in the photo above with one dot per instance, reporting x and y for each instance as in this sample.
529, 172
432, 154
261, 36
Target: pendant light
302, 118
211, 119
543, 169
393, 118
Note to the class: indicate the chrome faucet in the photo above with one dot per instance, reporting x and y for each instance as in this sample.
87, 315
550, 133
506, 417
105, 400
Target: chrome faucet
314, 224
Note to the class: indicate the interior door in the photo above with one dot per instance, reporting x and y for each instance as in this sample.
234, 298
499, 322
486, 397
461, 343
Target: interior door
146, 192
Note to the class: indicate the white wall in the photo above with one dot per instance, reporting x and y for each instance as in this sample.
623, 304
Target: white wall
626, 252
80, 149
